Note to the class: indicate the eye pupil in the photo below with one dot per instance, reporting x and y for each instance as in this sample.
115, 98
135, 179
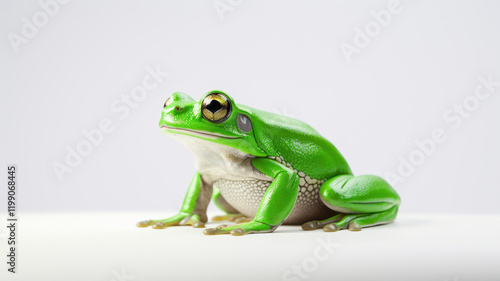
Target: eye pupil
214, 106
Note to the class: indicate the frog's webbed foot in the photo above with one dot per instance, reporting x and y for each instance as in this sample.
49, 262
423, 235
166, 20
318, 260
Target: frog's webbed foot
237, 218
353, 222
334, 223
317, 224
179, 219
240, 229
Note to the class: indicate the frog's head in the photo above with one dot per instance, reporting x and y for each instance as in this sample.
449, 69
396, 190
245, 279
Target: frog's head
215, 118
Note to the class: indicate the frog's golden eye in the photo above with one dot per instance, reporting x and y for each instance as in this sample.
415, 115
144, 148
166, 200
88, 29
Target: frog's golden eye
216, 107
168, 102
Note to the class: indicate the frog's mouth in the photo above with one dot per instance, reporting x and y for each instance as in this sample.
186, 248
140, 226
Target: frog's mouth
195, 133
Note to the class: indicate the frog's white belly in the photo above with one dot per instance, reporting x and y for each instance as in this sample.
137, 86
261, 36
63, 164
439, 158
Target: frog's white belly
243, 186
246, 195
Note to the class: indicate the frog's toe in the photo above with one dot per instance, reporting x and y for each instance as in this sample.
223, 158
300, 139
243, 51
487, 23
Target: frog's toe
331, 227
355, 222
317, 224
144, 223
159, 225
335, 223
210, 231
193, 220
155, 224
227, 217
194, 223
215, 230
347, 222
243, 219
353, 226
311, 225
198, 224
240, 229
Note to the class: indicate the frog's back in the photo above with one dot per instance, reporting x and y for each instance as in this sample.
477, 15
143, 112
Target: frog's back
297, 145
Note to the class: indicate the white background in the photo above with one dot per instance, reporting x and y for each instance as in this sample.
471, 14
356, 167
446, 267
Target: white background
281, 56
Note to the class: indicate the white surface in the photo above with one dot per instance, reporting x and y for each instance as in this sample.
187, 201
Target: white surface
96, 246
282, 56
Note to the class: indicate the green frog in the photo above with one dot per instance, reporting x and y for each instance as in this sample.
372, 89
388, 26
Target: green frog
264, 169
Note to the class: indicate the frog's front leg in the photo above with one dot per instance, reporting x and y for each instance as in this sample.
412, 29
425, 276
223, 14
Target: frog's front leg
276, 205
193, 210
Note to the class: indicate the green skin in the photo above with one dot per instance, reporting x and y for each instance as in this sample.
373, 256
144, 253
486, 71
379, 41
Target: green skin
354, 202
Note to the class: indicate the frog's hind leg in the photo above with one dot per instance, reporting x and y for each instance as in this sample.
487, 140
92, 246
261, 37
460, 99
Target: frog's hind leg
232, 214
361, 201
355, 222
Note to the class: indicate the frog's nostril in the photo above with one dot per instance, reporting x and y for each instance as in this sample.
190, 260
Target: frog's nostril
178, 108
214, 106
